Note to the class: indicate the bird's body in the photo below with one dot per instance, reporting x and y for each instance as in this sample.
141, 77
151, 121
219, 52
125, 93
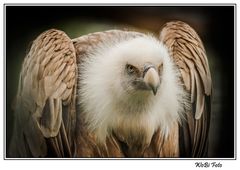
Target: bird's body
111, 105
110, 94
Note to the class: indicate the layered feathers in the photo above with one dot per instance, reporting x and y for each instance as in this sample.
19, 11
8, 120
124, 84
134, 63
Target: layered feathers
71, 102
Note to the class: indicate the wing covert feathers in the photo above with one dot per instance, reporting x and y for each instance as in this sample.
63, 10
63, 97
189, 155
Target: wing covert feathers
45, 114
188, 53
46, 85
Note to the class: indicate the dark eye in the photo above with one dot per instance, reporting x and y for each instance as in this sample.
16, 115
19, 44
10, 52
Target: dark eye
130, 69
160, 69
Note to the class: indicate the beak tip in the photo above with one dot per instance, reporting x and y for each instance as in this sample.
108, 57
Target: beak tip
154, 90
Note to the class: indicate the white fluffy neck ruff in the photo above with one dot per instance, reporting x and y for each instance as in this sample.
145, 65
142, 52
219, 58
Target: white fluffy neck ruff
108, 108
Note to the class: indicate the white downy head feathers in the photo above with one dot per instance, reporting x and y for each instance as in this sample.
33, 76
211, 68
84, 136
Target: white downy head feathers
110, 106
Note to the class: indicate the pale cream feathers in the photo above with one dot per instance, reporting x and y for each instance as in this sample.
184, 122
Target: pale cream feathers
108, 107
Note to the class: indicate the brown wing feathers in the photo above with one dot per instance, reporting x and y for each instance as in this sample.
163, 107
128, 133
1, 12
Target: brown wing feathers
189, 55
47, 84
47, 95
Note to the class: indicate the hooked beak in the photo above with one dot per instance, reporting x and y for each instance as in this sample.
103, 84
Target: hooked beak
151, 78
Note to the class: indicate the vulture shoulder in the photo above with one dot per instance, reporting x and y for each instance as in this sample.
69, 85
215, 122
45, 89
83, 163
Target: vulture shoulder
188, 54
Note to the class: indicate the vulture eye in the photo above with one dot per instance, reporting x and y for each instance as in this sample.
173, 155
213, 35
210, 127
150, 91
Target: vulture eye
160, 69
131, 69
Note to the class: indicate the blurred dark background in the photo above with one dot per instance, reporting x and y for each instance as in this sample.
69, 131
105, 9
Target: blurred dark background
214, 24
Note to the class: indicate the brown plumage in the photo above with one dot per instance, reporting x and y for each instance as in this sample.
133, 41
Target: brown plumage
188, 53
49, 123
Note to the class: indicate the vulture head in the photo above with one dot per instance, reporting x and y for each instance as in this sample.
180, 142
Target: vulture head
130, 88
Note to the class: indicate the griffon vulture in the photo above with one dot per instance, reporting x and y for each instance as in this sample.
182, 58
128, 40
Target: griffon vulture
114, 94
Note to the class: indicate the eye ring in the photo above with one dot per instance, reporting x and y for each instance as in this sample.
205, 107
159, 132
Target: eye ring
130, 69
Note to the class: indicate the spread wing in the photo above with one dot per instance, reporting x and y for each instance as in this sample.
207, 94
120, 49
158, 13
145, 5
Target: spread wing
45, 103
45, 113
188, 53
